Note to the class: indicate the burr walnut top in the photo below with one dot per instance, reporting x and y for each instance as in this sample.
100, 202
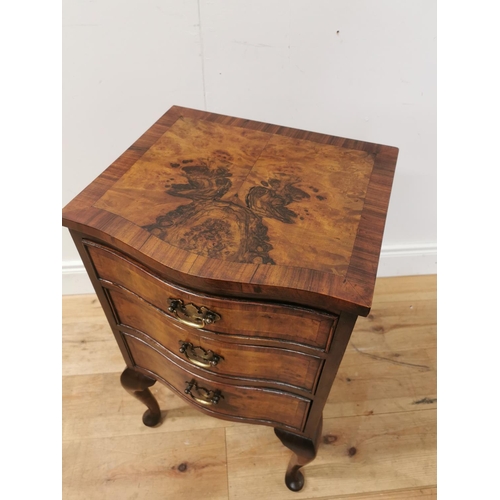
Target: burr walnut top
246, 208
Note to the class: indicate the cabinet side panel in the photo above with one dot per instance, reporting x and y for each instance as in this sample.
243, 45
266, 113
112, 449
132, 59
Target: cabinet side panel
101, 295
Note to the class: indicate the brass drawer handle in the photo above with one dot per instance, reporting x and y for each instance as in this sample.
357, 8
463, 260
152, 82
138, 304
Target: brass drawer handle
192, 315
203, 396
198, 356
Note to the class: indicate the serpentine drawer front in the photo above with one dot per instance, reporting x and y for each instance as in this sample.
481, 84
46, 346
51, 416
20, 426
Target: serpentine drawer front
261, 405
242, 317
226, 358
232, 259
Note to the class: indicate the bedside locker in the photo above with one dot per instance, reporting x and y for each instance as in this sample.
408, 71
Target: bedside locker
232, 258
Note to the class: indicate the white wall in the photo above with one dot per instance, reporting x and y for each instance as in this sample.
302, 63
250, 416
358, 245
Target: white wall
362, 69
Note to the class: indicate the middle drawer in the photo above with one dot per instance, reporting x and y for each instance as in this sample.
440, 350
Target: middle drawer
275, 365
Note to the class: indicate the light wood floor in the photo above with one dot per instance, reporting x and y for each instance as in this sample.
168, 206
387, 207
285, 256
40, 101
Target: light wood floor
382, 405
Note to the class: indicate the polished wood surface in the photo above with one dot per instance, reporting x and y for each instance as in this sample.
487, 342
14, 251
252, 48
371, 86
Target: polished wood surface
138, 385
264, 235
378, 439
304, 452
231, 194
242, 403
246, 208
242, 318
250, 362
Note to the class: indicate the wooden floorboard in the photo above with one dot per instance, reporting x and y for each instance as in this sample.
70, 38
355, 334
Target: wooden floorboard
382, 405
151, 466
358, 455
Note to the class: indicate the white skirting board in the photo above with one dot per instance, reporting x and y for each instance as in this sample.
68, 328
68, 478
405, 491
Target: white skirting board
394, 261
74, 278
407, 260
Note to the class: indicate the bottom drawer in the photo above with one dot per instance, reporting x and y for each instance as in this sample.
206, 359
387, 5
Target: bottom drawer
257, 405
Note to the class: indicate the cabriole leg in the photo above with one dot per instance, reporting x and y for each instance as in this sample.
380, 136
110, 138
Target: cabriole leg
304, 452
137, 384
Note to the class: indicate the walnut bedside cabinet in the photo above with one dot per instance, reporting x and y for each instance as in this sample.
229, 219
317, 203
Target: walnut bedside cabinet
232, 258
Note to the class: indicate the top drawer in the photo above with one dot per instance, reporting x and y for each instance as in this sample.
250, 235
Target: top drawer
247, 318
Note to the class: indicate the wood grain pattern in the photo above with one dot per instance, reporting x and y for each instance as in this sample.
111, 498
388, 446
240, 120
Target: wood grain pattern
150, 466
260, 320
241, 361
403, 494
379, 452
223, 193
213, 202
223, 209
89, 345
264, 406
109, 453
